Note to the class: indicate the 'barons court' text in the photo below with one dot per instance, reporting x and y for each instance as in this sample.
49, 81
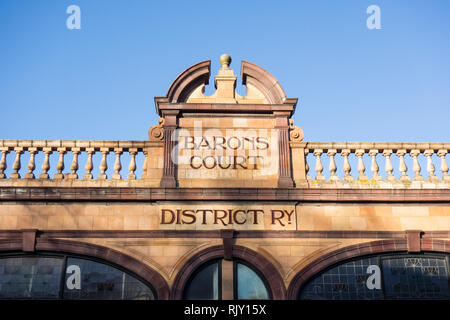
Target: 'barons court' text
225, 147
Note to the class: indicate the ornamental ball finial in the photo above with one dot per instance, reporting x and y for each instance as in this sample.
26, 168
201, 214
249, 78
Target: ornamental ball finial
225, 60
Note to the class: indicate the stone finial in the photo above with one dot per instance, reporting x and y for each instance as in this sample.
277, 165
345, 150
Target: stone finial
225, 61
225, 82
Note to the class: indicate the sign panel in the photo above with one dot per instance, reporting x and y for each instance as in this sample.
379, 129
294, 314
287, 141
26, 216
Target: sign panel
248, 155
219, 215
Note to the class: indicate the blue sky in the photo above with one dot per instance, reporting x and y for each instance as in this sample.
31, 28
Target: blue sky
98, 83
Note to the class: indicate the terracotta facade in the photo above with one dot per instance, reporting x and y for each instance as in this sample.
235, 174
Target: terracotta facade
226, 177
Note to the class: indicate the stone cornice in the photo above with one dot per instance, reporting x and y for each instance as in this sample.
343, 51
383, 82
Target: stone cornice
229, 108
224, 194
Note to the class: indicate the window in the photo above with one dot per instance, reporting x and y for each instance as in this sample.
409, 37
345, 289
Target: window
30, 277
102, 282
67, 277
248, 284
206, 282
414, 276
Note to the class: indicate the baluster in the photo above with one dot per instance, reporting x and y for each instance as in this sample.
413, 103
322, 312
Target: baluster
332, 166
374, 166
402, 165
361, 168
103, 164
430, 166
31, 165
388, 165
117, 164
74, 165
132, 166
16, 165
46, 164
416, 165
144, 166
89, 166
319, 168
308, 177
444, 166
60, 165
347, 169
5, 151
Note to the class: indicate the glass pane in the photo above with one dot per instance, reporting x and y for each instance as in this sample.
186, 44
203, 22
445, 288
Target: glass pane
205, 284
87, 279
30, 277
415, 278
353, 280
249, 284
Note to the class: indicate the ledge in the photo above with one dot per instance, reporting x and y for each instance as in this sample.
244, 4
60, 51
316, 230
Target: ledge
223, 194
289, 234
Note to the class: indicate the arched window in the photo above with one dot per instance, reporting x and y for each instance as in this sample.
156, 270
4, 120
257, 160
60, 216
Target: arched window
211, 281
53, 276
205, 283
249, 283
385, 276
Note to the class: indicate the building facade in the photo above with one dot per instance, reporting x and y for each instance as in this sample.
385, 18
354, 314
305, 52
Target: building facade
232, 203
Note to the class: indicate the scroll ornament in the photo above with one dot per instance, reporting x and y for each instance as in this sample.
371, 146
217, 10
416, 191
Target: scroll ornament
156, 132
296, 133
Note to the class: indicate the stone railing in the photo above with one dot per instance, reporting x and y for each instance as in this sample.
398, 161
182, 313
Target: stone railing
348, 165
408, 164
77, 149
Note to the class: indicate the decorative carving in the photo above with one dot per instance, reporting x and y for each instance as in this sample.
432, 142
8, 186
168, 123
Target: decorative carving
156, 133
296, 133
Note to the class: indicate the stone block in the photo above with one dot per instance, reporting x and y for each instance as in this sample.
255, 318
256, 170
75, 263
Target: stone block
100, 223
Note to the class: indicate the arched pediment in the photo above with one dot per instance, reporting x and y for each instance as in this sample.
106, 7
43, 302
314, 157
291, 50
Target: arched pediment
260, 80
189, 80
261, 86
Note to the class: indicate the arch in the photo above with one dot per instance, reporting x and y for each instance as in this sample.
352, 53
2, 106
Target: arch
254, 76
189, 80
362, 249
92, 250
270, 273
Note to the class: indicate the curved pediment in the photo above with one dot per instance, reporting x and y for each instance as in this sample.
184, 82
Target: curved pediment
189, 86
260, 80
188, 81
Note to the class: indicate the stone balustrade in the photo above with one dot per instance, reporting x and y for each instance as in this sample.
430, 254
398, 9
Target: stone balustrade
315, 164
378, 164
59, 149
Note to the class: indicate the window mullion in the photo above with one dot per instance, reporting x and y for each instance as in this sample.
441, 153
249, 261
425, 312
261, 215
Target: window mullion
227, 280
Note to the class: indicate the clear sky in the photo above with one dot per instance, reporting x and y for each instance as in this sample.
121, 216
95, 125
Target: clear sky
98, 83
